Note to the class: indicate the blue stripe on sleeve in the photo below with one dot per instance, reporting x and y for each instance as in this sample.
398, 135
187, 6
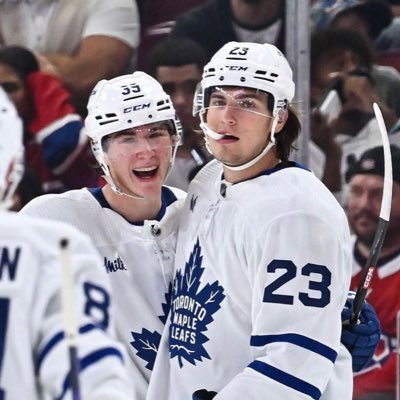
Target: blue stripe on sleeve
55, 339
90, 359
286, 379
298, 340
61, 143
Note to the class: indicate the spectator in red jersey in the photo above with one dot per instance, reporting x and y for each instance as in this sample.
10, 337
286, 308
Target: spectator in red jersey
378, 379
55, 146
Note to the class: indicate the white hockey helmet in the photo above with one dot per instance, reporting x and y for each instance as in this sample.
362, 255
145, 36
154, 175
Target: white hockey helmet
251, 65
11, 150
127, 101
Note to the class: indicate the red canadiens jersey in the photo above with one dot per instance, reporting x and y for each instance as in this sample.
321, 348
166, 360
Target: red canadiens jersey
384, 295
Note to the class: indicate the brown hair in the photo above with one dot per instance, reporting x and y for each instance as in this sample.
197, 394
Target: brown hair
290, 132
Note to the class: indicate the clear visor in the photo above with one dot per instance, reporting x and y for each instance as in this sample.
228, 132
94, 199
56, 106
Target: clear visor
236, 100
157, 136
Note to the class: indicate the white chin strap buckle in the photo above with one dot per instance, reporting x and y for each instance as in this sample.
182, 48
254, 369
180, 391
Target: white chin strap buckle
209, 132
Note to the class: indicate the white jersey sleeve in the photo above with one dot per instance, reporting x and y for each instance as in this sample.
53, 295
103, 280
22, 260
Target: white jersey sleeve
33, 348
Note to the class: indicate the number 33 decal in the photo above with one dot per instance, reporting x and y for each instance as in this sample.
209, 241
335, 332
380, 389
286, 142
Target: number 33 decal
321, 285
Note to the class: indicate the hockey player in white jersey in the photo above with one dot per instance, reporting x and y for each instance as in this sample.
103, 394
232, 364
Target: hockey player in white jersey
34, 360
262, 262
132, 219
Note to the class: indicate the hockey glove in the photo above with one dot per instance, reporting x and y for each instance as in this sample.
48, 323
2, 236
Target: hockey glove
203, 394
360, 339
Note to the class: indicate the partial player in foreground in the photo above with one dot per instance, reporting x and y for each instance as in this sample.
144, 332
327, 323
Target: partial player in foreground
34, 357
133, 219
263, 263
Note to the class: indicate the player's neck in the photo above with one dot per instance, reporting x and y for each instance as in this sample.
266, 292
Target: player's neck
269, 161
130, 208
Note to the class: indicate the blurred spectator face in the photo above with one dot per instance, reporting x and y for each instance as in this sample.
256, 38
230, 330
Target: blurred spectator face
354, 22
364, 204
15, 88
180, 83
330, 65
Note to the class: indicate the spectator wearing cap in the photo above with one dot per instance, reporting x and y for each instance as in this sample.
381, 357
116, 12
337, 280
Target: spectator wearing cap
369, 17
342, 60
365, 177
389, 39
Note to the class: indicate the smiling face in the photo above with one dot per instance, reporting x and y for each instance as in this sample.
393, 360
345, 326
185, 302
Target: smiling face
242, 116
139, 158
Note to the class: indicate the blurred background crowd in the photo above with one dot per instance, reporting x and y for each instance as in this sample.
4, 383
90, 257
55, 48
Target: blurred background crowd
53, 52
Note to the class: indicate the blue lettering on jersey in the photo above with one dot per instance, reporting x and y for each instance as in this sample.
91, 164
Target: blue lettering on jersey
114, 266
9, 262
192, 310
146, 343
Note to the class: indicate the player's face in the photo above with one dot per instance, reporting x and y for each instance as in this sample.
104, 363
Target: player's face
364, 206
242, 116
139, 158
180, 83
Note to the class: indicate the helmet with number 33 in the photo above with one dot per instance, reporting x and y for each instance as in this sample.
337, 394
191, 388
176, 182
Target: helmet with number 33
127, 101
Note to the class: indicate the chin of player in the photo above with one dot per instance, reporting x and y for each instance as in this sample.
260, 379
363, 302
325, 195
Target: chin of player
148, 186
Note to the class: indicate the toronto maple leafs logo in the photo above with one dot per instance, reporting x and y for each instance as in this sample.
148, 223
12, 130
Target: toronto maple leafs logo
146, 343
192, 309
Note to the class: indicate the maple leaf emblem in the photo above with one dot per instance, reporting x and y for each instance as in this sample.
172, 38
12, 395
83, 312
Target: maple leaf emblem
146, 343
192, 309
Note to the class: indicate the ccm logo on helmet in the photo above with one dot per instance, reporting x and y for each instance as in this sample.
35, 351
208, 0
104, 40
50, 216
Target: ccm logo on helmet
236, 68
136, 108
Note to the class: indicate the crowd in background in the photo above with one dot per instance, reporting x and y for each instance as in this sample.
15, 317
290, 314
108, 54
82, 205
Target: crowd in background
54, 52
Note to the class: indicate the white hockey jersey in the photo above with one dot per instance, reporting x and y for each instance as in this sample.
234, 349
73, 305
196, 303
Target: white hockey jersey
138, 259
262, 272
33, 352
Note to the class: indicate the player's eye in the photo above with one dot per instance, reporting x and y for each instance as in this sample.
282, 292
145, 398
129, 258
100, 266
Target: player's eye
127, 139
246, 103
217, 102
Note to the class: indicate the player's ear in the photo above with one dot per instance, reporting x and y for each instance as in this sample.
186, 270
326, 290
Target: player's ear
282, 117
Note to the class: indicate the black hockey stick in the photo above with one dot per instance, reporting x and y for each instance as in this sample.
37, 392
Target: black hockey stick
383, 222
70, 324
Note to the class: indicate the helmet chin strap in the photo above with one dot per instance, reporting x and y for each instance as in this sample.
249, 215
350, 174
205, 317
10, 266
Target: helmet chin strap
118, 191
208, 132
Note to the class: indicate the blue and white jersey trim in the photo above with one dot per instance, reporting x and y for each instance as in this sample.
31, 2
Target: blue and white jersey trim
55, 340
89, 360
298, 340
286, 379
